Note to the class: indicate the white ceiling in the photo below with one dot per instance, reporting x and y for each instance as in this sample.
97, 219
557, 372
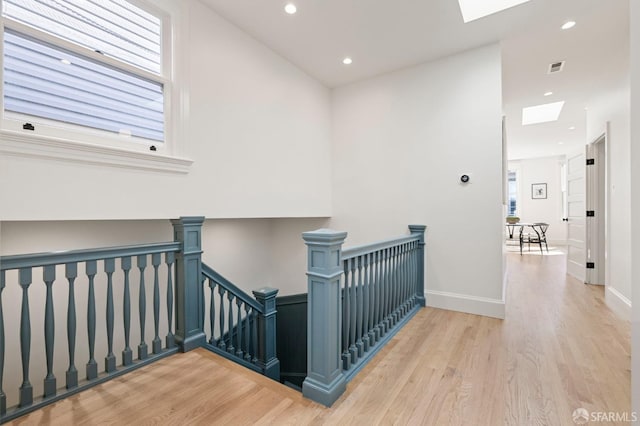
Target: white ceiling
386, 35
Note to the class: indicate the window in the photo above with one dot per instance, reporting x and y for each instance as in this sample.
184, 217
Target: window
512, 182
90, 66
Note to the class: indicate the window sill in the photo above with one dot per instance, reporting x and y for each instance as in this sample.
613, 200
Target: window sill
30, 145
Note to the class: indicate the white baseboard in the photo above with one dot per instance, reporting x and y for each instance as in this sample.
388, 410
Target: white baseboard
462, 303
617, 302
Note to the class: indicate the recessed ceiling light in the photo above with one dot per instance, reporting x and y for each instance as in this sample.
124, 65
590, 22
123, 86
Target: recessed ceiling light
560, 143
347, 61
548, 93
568, 24
290, 8
65, 61
572, 128
541, 113
474, 9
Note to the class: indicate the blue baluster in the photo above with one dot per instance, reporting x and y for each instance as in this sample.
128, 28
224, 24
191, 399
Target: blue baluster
247, 333
409, 275
254, 335
239, 329
346, 317
419, 285
71, 273
49, 276
127, 353
405, 279
353, 350
170, 339
110, 359
366, 302
143, 352
381, 323
394, 285
230, 347
3, 396
156, 344
416, 267
387, 292
359, 307
400, 279
383, 288
400, 269
91, 269
212, 311
201, 313
26, 390
221, 342
405, 294
376, 302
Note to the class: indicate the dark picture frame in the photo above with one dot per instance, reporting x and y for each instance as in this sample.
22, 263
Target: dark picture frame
539, 191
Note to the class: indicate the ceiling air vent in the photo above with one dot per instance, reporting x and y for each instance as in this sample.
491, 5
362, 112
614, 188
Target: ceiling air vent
555, 67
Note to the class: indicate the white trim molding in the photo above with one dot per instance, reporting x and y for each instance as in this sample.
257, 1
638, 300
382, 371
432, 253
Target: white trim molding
617, 302
484, 306
17, 143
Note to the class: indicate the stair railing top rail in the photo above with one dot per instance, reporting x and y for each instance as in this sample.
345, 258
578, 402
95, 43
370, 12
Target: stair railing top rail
33, 260
210, 273
353, 252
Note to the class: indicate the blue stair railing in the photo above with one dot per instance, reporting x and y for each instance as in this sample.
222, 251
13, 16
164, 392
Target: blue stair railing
111, 301
245, 333
358, 298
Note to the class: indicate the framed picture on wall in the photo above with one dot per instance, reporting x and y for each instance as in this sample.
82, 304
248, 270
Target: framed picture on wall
538, 191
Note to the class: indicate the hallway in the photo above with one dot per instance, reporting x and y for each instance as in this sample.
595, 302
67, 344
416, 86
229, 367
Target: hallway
559, 349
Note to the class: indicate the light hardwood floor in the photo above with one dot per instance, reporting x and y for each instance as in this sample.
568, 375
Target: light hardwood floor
558, 349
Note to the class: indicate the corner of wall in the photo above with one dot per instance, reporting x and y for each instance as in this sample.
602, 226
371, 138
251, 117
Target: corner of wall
618, 303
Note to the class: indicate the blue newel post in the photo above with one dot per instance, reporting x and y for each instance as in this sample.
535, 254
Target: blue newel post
267, 333
325, 380
189, 328
419, 230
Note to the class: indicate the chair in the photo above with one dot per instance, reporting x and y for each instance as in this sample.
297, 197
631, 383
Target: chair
538, 236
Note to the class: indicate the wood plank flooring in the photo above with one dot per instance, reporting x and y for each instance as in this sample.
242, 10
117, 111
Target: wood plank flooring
558, 349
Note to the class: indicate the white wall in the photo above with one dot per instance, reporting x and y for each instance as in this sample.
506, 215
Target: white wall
549, 210
400, 143
614, 110
257, 127
635, 203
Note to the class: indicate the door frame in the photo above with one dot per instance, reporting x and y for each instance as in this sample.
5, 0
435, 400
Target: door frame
597, 199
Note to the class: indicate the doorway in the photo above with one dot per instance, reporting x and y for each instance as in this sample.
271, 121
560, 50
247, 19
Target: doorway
596, 200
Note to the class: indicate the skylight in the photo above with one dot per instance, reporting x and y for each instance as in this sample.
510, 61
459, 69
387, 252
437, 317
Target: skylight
475, 9
541, 113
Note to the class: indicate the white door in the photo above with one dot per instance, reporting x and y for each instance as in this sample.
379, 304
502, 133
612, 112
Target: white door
576, 211
595, 202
